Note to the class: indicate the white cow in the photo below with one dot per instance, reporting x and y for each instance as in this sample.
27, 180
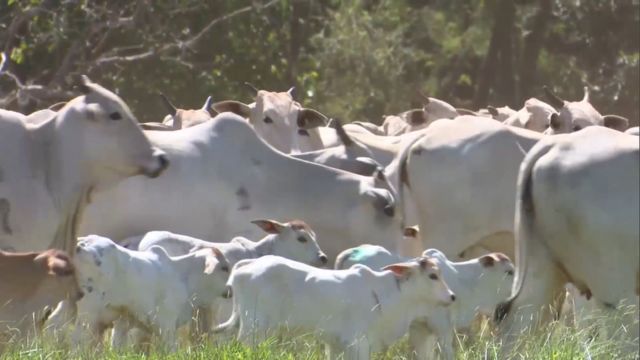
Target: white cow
576, 221
576, 115
534, 115
461, 177
180, 118
145, 289
480, 285
284, 123
633, 131
355, 311
225, 176
48, 171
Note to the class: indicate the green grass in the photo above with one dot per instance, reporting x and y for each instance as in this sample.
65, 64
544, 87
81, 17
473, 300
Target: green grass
555, 342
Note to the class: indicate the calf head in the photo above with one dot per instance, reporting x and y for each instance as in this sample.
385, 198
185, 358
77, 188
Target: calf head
496, 280
96, 259
216, 269
576, 115
422, 277
294, 240
60, 281
100, 130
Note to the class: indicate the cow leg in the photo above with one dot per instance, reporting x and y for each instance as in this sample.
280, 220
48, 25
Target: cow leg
440, 324
63, 315
120, 333
358, 350
540, 299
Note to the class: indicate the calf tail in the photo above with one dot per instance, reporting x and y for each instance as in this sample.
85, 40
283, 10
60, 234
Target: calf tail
233, 321
524, 225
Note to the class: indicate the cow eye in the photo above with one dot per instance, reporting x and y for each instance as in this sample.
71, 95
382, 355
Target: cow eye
225, 268
115, 116
510, 272
268, 120
576, 127
302, 239
433, 276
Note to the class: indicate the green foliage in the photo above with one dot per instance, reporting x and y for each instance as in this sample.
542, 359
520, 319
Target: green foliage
352, 59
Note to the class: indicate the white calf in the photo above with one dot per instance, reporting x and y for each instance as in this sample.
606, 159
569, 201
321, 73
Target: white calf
480, 285
148, 290
355, 311
293, 240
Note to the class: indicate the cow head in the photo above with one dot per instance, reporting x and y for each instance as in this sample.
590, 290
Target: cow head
181, 118
280, 121
435, 109
99, 130
294, 240
576, 115
405, 122
423, 276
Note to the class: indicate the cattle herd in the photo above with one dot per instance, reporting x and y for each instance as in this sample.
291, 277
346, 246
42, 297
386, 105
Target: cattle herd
250, 219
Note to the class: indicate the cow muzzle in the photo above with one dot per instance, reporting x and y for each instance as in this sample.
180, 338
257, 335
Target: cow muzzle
160, 163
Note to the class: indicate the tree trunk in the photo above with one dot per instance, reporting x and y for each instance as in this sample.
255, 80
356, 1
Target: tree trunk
295, 41
532, 45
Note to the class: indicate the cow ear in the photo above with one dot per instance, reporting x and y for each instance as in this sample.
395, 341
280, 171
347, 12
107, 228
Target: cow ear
401, 271
309, 119
270, 226
59, 265
616, 122
233, 106
493, 111
416, 117
554, 121
487, 260
411, 231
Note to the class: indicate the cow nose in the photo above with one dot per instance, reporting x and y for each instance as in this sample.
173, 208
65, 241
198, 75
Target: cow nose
453, 297
323, 259
78, 248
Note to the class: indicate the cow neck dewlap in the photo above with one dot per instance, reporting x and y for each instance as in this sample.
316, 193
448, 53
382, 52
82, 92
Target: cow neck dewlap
67, 183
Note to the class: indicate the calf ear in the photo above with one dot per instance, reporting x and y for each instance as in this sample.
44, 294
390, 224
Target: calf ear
309, 119
270, 226
401, 271
233, 106
616, 122
487, 260
59, 265
209, 263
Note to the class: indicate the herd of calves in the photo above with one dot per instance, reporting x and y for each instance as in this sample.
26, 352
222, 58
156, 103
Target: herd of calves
371, 299
154, 284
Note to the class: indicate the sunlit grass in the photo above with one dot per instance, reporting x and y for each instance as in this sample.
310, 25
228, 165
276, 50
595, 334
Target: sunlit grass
557, 342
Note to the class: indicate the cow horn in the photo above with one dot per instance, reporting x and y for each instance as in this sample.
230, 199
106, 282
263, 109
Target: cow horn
291, 91
554, 100
207, 104
585, 98
342, 134
250, 85
425, 97
172, 109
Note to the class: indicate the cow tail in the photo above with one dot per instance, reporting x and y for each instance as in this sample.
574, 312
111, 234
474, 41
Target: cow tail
232, 322
403, 177
524, 225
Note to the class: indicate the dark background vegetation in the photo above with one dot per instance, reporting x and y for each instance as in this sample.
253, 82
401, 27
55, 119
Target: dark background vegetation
353, 59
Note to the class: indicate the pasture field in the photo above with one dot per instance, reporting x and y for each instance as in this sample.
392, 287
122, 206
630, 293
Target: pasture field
556, 342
